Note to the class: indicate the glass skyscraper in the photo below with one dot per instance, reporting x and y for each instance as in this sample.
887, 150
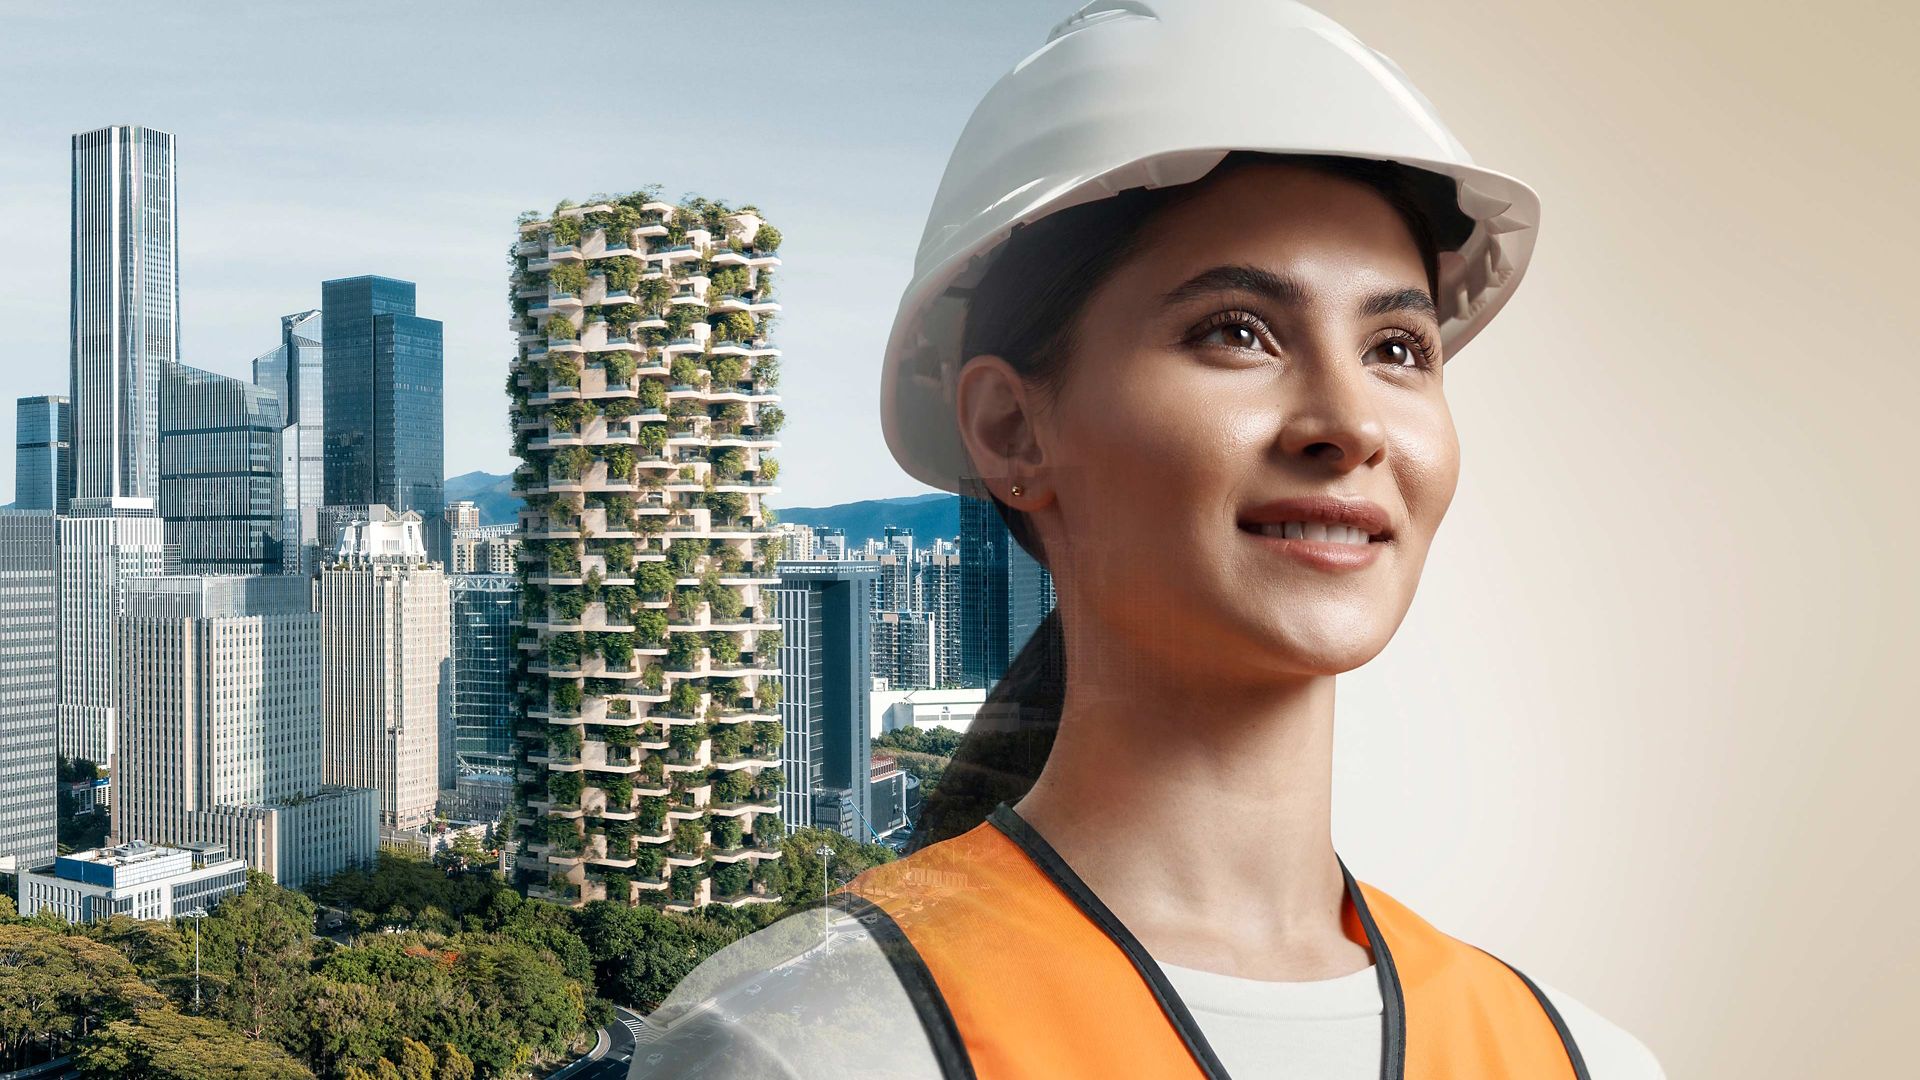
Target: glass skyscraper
826, 678
484, 607
42, 453
1004, 594
125, 307
292, 371
384, 381
220, 472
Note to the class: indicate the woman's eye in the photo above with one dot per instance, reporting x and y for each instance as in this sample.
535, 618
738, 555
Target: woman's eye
1399, 352
1233, 336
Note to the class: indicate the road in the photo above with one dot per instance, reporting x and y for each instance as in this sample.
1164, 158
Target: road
617, 1061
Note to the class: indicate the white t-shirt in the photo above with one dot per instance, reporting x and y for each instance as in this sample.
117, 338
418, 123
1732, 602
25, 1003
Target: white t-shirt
779, 1004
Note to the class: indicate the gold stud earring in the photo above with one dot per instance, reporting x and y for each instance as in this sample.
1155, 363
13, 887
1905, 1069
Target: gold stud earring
1015, 489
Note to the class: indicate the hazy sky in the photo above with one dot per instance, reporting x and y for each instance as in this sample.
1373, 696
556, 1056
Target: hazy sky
320, 141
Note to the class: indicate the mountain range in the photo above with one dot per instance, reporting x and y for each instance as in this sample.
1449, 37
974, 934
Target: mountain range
935, 515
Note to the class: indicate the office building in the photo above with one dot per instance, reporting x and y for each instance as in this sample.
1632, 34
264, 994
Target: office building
1004, 594
29, 681
484, 609
826, 677
42, 453
220, 728
645, 416
124, 308
384, 379
388, 671
292, 371
134, 881
103, 544
220, 472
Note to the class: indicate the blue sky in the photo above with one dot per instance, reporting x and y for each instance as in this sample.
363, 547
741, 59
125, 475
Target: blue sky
320, 141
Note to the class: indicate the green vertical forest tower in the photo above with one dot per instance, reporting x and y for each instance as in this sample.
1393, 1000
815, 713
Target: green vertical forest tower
644, 414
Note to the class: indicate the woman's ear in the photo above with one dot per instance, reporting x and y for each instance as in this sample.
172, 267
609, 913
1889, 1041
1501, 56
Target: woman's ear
995, 414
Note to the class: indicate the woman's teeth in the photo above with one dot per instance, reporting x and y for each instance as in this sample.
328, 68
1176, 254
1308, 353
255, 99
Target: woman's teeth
1316, 530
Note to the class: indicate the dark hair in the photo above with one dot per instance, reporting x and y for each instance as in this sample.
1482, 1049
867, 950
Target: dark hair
1026, 309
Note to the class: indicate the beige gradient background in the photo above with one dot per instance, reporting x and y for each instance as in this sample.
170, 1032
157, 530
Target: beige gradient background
1649, 731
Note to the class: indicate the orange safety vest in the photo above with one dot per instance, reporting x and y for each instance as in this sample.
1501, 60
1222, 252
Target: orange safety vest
1018, 970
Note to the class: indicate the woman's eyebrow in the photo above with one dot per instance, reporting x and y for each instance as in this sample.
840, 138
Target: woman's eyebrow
1286, 291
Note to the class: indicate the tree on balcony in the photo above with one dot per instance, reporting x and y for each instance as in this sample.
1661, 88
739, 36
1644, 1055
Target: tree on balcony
729, 462
563, 650
650, 627
690, 837
571, 415
617, 650
563, 788
653, 677
568, 277
727, 281
726, 505
621, 600
685, 739
648, 860
563, 743
566, 697
727, 832
618, 737
619, 791
572, 462
568, 604
766, 239
765, 786
768, 470
685, 604
680, 319
652, 813
766, 736
620, 368
684, 371
623, 274
620, 463
730, 787
686, 883
725, 649
566, 230
732, 326
684, 651
768, 832
766, 372
769, 421
766, 695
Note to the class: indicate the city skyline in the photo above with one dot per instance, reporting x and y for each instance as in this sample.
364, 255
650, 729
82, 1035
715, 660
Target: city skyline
421, 193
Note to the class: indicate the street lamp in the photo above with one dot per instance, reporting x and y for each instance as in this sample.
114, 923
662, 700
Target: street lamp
826, 886
196, 915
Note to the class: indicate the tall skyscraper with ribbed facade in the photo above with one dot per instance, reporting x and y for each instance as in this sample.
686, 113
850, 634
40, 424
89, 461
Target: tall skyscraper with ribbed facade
221, 728
384, 378
125, 306
644, 412
42, 453
293, 372
387, 667
220, 472
29, 680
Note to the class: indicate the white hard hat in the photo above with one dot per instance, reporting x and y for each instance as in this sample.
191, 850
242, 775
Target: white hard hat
1150, 93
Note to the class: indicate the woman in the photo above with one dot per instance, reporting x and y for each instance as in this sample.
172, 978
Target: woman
1180, 312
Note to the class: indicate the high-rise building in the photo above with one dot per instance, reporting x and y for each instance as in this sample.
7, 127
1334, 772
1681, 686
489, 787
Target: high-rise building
1004, 594
103, 543
384, 379
644, 412
220, 472
384, 623
293, 372
29, 666
484, 610
221, 729
463, 535
42, 453
826, 676
940, 593
125, 307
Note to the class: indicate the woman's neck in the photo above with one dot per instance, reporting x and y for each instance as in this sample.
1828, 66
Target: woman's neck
1201, 814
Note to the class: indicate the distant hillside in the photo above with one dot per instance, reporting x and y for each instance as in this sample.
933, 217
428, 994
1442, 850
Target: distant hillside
935, 515
498, 504
931, 517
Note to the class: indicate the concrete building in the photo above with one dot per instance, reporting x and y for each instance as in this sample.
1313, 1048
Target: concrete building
42, 453
892, 710
220, 472
103, 543
137, 881
221, 727
384, 377
826, 677
124, 309
29, 682
645, 414
292, 372
388, 671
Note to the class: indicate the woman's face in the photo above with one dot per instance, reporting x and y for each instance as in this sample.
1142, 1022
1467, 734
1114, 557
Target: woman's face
1271, 338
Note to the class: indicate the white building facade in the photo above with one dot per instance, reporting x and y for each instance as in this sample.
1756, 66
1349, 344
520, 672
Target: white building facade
387, 663
104, 543
221, 728
29, 680
138, 881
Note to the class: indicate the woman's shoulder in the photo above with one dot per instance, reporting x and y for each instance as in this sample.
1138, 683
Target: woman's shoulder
1611, 1052
811, 995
